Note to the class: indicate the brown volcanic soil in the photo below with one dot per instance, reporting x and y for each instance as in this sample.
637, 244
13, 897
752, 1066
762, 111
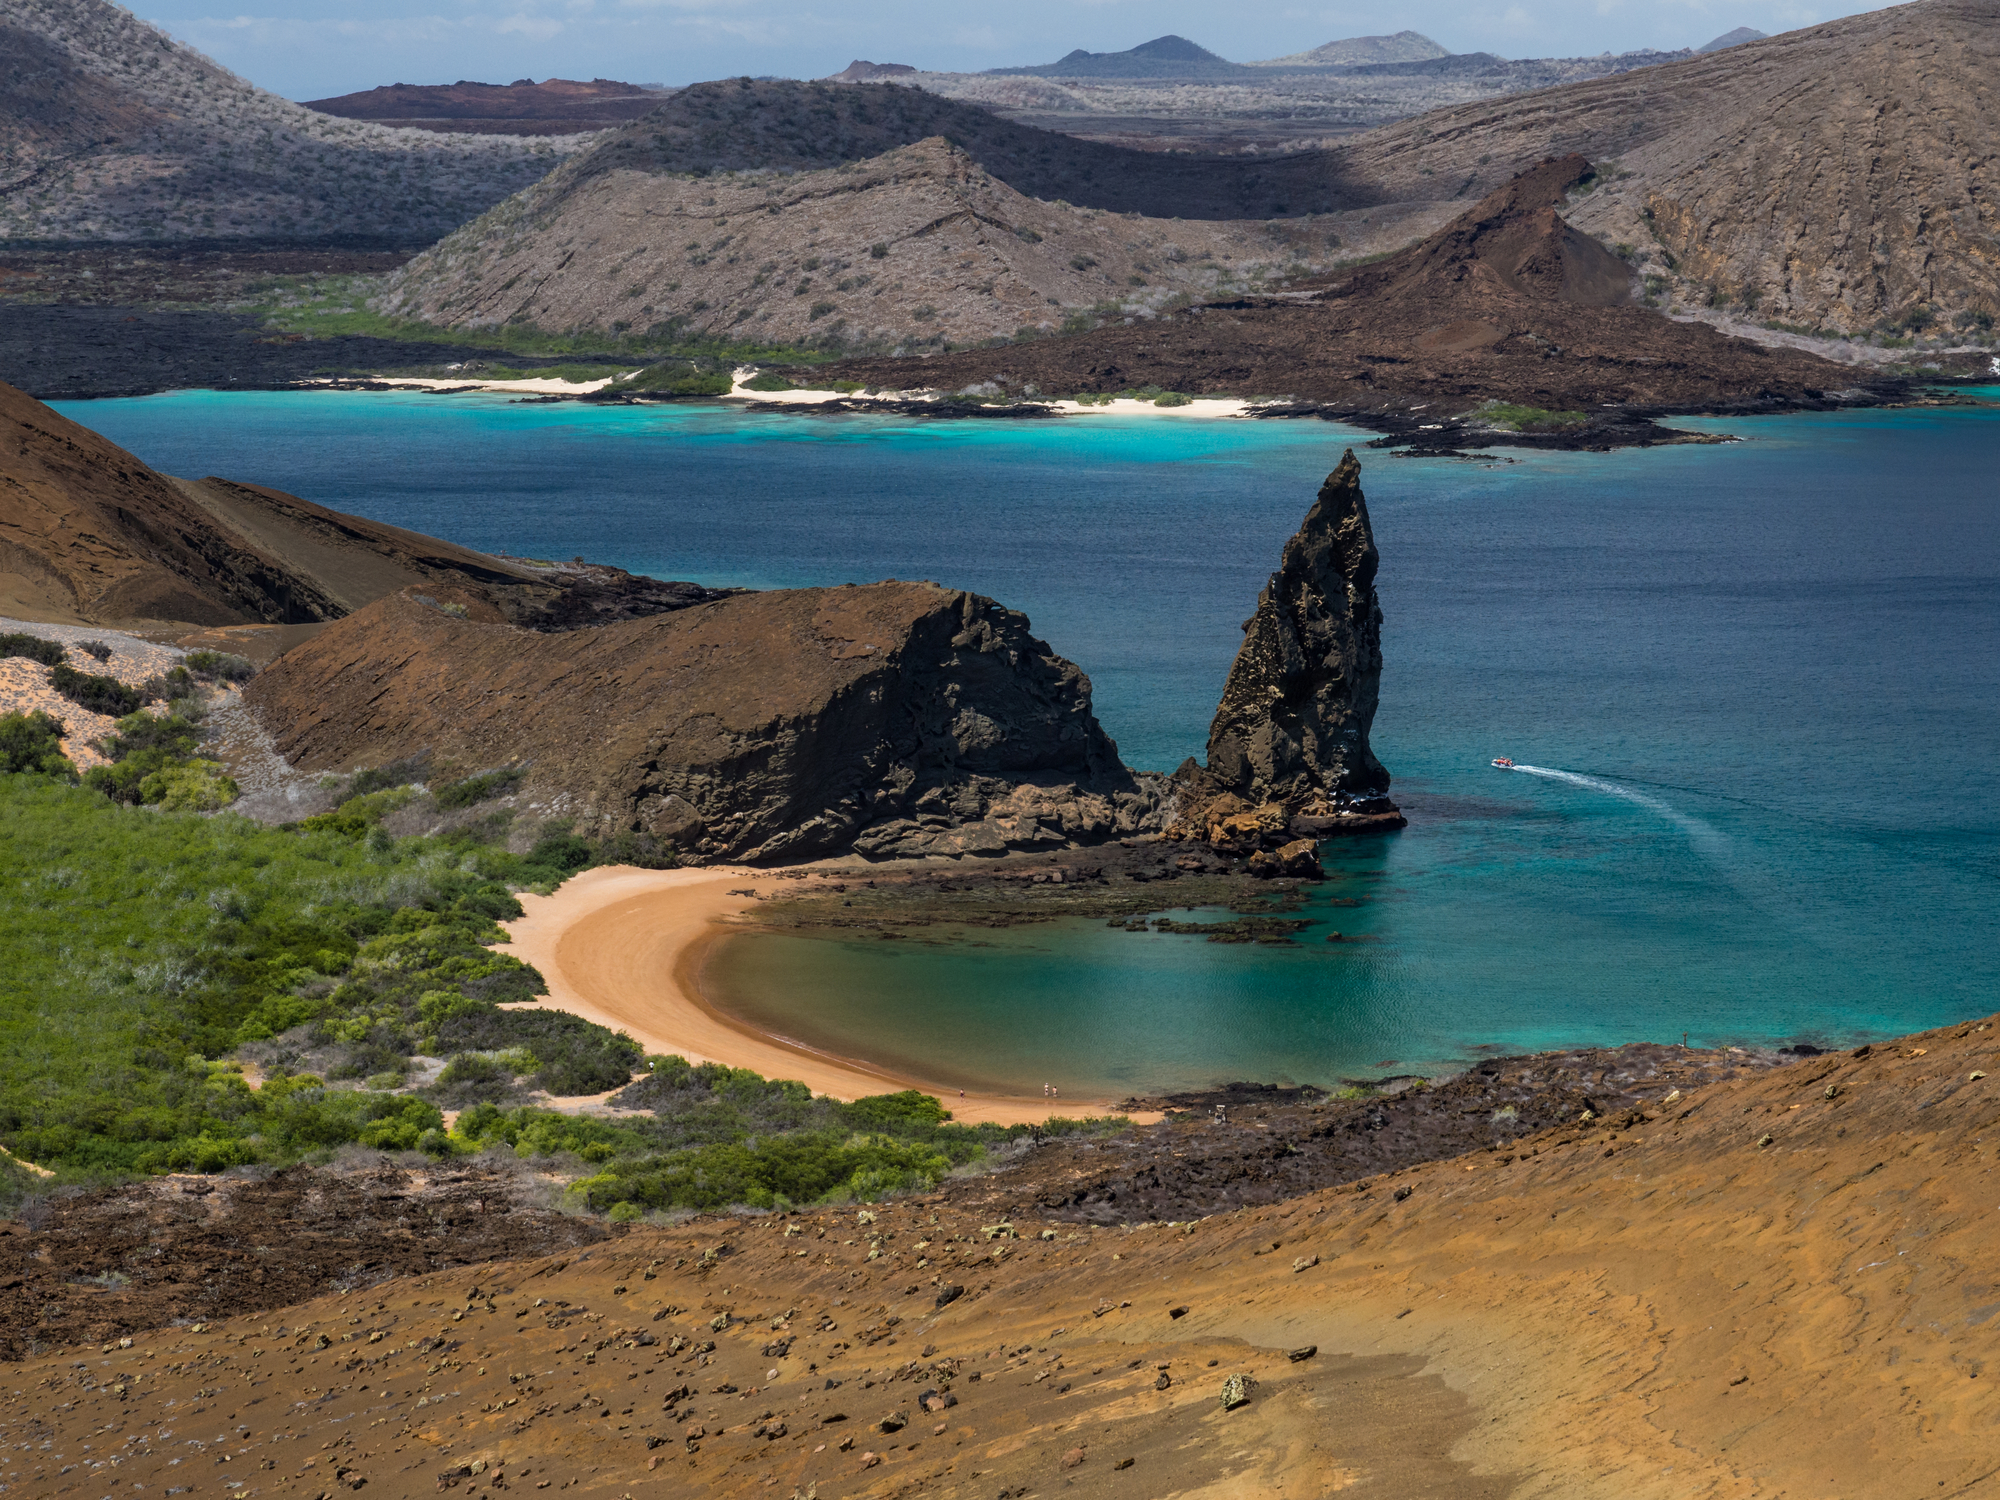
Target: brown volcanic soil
88, 534
792, 259
1842, 173
1776, 1284
102, 1264
555, 106
1506, 302
767, 725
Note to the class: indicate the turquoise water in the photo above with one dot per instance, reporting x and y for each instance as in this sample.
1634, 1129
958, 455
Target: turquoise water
1766, 672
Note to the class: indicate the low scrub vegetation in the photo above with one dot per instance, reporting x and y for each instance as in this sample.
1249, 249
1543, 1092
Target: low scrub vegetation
1514, 418
225, 993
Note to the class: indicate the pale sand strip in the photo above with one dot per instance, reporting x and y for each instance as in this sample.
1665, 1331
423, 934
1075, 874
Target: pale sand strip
623, 947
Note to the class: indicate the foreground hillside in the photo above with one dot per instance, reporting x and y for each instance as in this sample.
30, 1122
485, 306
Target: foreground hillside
110, 130
1772, 1285
1836, 176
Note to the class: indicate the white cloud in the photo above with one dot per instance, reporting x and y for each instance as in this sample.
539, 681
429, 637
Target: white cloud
534, 28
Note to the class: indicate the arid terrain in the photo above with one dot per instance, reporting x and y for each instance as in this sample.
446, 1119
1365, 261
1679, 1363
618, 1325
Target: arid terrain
110, 130
1772, 1283
555, 106
93, 536
913, 249
1833, 177
1280, 106
1506, 304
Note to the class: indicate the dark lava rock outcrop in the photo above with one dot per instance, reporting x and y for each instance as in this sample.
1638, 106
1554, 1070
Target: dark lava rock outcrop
1288, 754
891, 718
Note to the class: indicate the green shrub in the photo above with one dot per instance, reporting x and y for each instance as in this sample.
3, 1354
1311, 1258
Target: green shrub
480, 788
96, 650
32, 743
99, 695
219, 666
189, 936
1173, 398
189, 786
572, 1055
34, 647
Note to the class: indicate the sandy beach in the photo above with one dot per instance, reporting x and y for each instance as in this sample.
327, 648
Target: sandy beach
623, 947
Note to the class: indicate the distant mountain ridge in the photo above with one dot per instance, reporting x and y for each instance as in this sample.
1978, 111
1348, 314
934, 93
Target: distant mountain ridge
1403, 46
1163, 57
1734, 38
556, 106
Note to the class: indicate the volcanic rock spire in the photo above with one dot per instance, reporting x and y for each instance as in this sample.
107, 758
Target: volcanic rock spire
1292, 727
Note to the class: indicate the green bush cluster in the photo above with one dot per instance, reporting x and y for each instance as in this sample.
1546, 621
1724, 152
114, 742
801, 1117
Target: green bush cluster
32, 743
674, 378
219, 666
474, 789
715, 1136
34, 647
155, 760
100, 695
187, 936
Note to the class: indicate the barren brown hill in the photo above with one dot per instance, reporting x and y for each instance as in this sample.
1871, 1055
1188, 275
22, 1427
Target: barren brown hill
915, 247
740, 125
1778, 1284
1840, 175
1507, 302
556, 106
897, 717
111, 130
90, 535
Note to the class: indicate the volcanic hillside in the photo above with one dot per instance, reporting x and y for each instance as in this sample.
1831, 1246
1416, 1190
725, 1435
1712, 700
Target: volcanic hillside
1777, 1284
1403, 46
109, 129
743, 125
1838, 176
89, 535
916, 247
1507, 301
767, 726
557, 106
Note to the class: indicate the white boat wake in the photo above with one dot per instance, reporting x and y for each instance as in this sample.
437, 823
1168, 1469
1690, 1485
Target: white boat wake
1704, 836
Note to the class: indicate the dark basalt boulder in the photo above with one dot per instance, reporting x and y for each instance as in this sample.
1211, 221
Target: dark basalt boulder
1288, 749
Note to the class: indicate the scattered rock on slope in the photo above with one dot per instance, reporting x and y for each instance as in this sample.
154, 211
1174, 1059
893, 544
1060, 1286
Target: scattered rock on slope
894, 718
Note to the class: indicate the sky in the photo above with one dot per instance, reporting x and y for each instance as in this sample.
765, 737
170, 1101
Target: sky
307, 49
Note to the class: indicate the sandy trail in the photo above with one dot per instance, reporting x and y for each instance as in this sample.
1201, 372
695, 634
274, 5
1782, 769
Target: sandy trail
623, 947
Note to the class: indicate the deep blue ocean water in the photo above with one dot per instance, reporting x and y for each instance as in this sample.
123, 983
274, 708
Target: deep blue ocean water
1768, 673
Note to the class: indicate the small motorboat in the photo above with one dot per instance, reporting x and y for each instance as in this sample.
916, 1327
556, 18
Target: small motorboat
1503, 763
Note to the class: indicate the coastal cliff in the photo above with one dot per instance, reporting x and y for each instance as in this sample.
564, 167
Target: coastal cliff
1288, 749
895, 719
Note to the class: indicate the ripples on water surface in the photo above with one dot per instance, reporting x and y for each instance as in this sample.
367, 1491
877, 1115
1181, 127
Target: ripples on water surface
1757, 684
